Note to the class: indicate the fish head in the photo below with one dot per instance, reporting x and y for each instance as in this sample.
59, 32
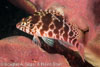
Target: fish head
24, 24
30, 24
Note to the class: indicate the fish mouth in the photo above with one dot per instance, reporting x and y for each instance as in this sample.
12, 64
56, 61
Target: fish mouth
18, 25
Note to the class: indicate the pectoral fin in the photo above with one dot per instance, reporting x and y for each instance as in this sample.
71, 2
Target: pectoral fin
48, 41
66, 44
36, 40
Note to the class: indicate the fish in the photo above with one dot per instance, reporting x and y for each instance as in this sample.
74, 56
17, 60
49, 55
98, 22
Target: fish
50, 25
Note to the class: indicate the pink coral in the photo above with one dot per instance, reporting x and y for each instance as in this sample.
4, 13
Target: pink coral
82, 13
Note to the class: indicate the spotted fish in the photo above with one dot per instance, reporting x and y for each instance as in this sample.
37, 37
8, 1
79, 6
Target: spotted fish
51, 25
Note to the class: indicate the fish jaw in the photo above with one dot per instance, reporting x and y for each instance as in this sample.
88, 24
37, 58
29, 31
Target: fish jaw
20, 27
24, 25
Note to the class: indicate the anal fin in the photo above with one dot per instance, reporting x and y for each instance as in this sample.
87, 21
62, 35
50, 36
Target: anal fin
79, 49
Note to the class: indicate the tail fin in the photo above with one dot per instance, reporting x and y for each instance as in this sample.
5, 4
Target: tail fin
81, 50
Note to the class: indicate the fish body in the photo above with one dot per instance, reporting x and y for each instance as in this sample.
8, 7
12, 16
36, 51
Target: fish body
53, 25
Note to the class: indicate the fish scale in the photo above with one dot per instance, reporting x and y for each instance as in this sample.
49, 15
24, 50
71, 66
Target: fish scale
52, 25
